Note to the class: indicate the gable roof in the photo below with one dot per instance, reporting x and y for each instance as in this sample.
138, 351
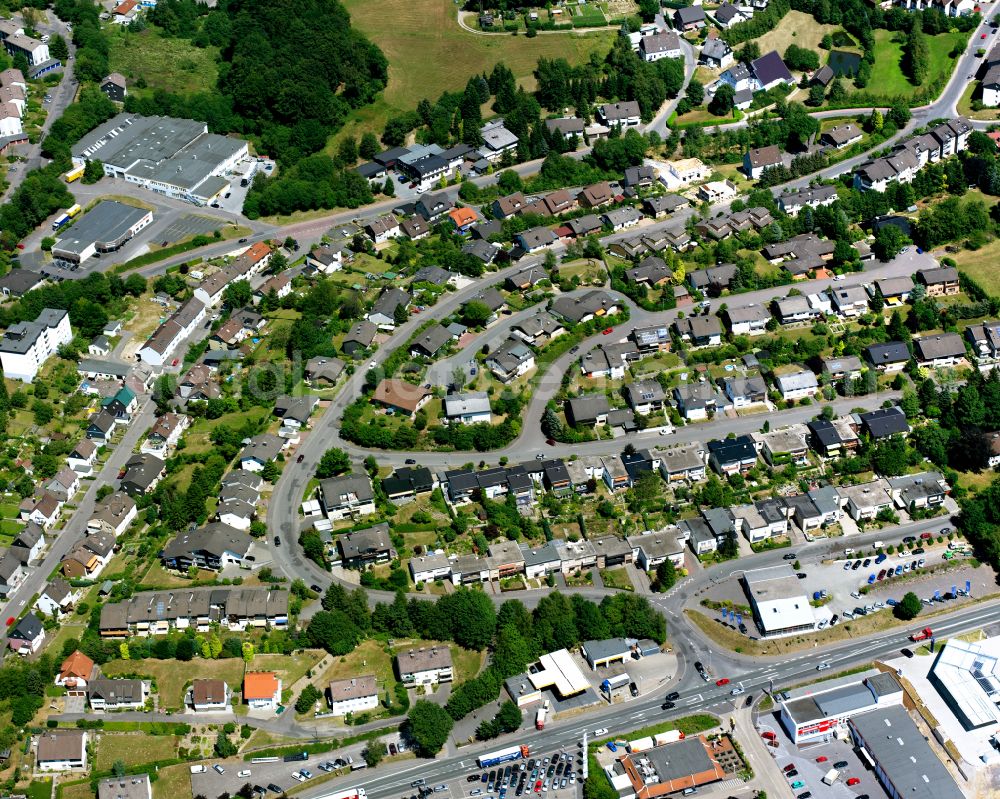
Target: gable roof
770, 68
259, 685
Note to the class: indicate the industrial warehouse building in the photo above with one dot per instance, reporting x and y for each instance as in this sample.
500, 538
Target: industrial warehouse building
175, 157
967, 676
814, 712
903, 761
105, 228
556, 671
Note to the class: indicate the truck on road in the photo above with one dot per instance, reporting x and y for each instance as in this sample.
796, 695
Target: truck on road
923, 635
831, 776
503, 755
540, 716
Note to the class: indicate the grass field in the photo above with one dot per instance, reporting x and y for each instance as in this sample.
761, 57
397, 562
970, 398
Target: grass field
164, 63
197, 436
980, 265
796, 28
171, 675
429, 53
172, 782
965, 104
887, 76
134, 749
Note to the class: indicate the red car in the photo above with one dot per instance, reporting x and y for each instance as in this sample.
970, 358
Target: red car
723, 681
606, 331
789, 767
982, 36
853, 781
538, 786
175, 362
821, 759
769, 735
20, 246
926, 536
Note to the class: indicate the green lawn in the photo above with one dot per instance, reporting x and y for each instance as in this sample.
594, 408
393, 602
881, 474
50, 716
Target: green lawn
134, 748
796, 27
887, 76
172, 64
981, 266
172, 675
197, 436
423, 35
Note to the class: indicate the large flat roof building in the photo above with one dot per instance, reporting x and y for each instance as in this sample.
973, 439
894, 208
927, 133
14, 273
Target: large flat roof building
104, 228
813, 712
175, 157
967, 676
905, 763
779, 605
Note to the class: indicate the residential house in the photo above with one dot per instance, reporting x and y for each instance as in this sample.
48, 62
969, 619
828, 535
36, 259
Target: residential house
468, 408
360, 549
660, 45
113, 514
262, 690
261, 450
119, 694
42, 509
689, 18
327, 259
26, 636
651, 548
625, 114
697, 401
384, 311
587, 410
683, 464
850, 301
832, 438
585, 307
651, 339
401, 397
919, 491
65, 484
510, 360
939, 282
985, 339
26, 346
865, 501
687, 171
81, 457
841, 136
747, 320
622, 218
940, 350
797, 385
608, 360
424, 666
732, 455
716, 54
644, 396
56, 598
770, 71
793, 201
784, 445
795, 309
165, 434
347, 496
699, 331
210, 696
743, 392
142, 472
847, 367
664, 204
359, 338
352, 695
61, 750
717, 191
76, 673
757, 159
383, 228
884, 422
596, 195
430, 342
538, 329
889, 357
535, 239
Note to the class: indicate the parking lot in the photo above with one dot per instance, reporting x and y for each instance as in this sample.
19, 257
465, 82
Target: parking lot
189, 225
279, 774
810, 771
555, 774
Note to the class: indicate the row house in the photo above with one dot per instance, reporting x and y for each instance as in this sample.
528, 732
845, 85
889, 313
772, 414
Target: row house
902, 164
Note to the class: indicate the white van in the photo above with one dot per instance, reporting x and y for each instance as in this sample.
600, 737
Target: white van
198, 769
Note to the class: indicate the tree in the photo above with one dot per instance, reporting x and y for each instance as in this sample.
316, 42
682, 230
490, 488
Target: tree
389, 188
185, 649
270, 472
816, 95
876, 121
334, 631
889, 242
400, 314
475, 313
93, 171
237, 294
666, 575
899, 115
369, 146
373, 753
58, 48
908, 608
722, 103
223, 746
428, 727
695, 93
308, 698
750, 52
837, 91
334, 461
118, 768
